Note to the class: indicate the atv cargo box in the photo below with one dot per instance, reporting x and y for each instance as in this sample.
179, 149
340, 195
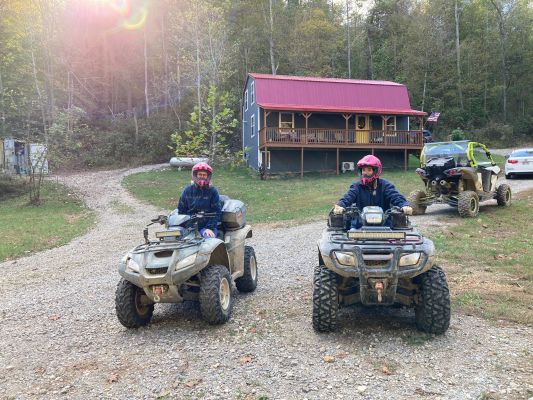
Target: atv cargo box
233, 214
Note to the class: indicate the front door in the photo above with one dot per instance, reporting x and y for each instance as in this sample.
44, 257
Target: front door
361, 128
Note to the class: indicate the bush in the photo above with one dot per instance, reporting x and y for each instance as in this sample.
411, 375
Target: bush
11, 187
495, 135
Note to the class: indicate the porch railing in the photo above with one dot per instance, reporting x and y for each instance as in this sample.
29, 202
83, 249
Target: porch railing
325, 136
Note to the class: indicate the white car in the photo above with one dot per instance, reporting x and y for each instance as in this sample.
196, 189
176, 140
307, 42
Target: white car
519, 162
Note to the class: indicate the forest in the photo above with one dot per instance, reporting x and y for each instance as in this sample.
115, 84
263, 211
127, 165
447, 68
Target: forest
116, 82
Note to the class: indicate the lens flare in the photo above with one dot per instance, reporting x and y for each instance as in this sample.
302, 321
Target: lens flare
137, 19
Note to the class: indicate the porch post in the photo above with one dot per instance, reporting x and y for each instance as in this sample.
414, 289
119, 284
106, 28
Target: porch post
306, 116
346, 117
337, 161
405, 156
302, 163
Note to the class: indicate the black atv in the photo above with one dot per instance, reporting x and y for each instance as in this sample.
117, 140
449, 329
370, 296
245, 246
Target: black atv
460, 174
382, 263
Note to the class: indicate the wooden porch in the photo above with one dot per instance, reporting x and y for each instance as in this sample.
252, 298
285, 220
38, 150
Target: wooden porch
344, 138
408, 142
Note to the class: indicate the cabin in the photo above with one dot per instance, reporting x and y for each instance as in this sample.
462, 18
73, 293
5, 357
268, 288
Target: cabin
293, 124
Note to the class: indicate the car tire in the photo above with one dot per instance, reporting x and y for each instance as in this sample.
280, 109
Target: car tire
325, 300
414, 199
468, 204
131, 312
433, 311
503, 195
216, 297
248, 282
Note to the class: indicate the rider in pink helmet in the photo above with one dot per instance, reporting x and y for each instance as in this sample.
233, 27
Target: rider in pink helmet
374, 163
201, 174
200, 196
371, 189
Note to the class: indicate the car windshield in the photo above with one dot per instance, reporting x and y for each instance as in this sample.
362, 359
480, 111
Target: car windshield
522, 153
439, 150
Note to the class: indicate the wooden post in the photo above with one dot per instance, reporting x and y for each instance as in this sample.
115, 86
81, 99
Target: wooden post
337, 161
346, 117
306, 116
302, 163
405, 157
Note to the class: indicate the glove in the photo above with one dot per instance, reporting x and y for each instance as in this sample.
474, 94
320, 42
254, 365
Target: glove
337, 210
407, 210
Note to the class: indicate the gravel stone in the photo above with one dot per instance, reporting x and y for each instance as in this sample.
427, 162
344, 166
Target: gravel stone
61, 338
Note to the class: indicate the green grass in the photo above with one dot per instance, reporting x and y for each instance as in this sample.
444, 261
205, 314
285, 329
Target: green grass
489, 261
276, 199
25, 229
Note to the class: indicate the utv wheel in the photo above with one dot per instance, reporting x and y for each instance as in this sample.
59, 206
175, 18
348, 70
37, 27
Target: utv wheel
248, 282
216, 298
432, 312
132, 312
503, 195
415, 198
325, 300
468, 204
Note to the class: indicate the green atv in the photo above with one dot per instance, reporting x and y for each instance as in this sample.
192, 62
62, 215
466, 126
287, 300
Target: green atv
461, 174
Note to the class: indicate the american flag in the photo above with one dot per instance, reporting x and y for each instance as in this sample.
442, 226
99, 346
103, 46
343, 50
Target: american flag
433, 117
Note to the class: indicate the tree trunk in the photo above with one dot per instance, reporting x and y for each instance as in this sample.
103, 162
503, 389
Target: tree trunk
458, 52
503, 55
348, 39
2, 103
271, 41
198, 77
424, 90
370, 61
146, 75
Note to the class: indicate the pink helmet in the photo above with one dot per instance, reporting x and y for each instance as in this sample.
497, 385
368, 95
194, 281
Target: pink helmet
374, 163
202, 166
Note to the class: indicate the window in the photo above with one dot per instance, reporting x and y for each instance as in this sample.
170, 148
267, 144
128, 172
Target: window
252, 94
481, 157
361, 122
390, 124
252, 126
286, 120
246, 100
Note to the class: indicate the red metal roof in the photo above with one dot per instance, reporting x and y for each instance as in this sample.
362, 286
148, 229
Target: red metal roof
296, 93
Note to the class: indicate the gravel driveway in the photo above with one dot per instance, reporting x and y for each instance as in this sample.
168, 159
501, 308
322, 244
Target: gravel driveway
60, 337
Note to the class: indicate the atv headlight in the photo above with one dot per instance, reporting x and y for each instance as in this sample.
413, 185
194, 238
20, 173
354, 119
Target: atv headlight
345, 258
132, 265
409, 259
186, 261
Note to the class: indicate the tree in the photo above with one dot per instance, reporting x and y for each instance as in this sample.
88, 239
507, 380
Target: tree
208, 138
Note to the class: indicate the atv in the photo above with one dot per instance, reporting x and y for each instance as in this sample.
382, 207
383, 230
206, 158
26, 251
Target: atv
461, 174
378, 265
182, 265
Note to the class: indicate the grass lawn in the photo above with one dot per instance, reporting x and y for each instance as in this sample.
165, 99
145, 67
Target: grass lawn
25, 229
489, 261
276, 199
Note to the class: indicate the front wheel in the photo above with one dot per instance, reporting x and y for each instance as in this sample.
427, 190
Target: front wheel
503, 195
468, 204
132, 305
248, 281
415, 199
432, 312
325, 300
216, 298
